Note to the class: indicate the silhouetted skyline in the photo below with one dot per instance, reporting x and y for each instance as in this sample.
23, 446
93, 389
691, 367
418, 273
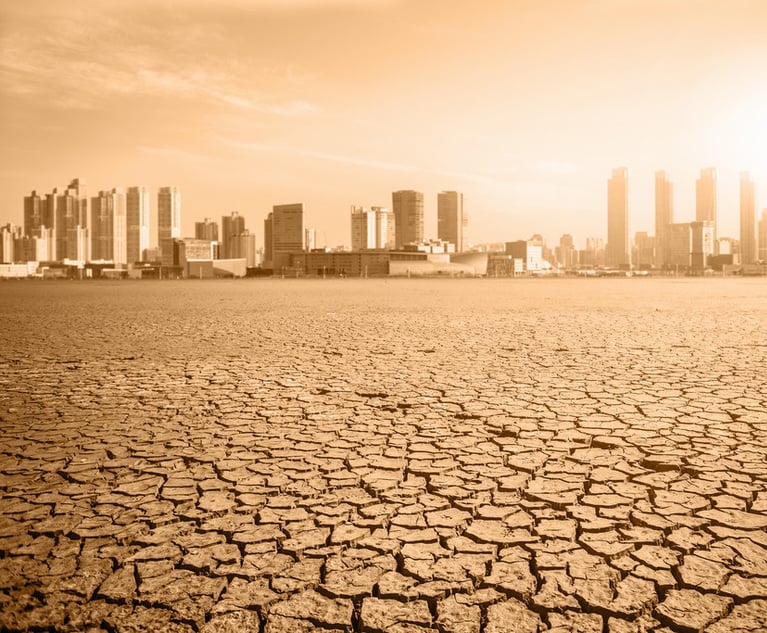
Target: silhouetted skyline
524, 107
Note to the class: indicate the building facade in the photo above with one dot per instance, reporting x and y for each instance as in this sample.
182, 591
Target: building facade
748, 248
287, 233
617, 252
407, 206
231, 226
138, 224
451, 220
664, 214
705, 197
168, 221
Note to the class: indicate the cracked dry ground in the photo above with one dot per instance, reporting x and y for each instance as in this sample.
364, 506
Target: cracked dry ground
461, 456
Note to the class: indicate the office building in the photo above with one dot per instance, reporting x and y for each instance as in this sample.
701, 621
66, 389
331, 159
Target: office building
372, 228
408, 217
748, 248
9, 234
664, 214
705, 197
231, 226
451, 220
206, 230
168, 221
617, 252
567, 256
71, 221
644, 254
243, 246
287, 233
108, 228
138, 224
763, 237
690, 246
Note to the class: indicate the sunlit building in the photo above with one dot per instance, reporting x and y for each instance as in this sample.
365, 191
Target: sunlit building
407, 206
138, 224
705, 197
748, 248
664, 214
372, 228
617, 252
206, 230
71, 222
286, 226
168, 221
763, 237
231, 226
108, 228
451, 220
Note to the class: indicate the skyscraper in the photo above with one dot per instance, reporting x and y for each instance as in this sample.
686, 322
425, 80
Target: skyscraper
137, 223
408, 217
748, 253
71, 223
617, 252
705, 197
372, 228
763, 237
108, 227
231, 226
168, 221
287, 229
451, 220
664, 214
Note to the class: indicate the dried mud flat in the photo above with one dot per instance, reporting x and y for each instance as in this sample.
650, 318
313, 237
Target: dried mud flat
457, 455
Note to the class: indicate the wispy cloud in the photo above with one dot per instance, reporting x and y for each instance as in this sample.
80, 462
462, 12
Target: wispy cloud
69, 64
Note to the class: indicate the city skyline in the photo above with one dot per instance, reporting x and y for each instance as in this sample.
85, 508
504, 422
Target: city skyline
546, 98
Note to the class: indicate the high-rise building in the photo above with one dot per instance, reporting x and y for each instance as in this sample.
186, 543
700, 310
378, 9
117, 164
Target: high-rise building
168, 221
206, 230
408, 217
451, 220
705, 197
9, 234
267, 260
664, 213
617, 252
35, 208
108, 227
644, 254
763, 237
748, 250
138, 236
372, 228
567, 256
231, 226
71, 221
287, 229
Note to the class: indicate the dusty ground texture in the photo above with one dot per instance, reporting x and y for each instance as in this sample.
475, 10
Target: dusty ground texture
461, 456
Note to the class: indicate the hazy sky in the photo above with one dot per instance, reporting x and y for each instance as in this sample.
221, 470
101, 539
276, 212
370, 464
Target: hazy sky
525, 106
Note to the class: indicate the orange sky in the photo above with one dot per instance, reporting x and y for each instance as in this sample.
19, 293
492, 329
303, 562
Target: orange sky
525, 106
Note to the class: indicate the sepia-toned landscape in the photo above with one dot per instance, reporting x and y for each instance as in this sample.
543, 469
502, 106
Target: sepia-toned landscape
384, 456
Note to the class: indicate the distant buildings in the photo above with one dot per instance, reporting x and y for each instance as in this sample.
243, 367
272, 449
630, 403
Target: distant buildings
372, 228
748, 247
451, 220
763, 237
109, 228
231, 226
168, 221
690, 244
206, 230
408, 217
705, 197
618, 219
137, 221
285, 228
664, 214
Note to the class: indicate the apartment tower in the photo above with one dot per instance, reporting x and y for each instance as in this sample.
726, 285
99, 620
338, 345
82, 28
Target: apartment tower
451, 220
617, 251
408, 217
